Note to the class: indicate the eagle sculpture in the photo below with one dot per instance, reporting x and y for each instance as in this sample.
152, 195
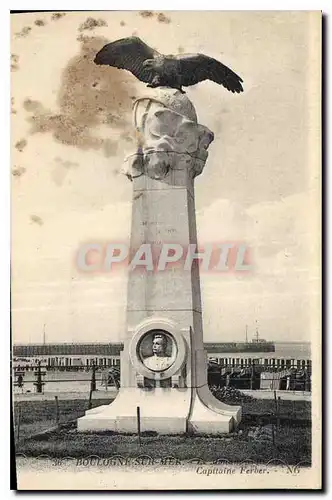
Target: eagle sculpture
158, 70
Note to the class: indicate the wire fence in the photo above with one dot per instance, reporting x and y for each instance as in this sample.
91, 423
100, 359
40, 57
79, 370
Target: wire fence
52, 418
259, 376
38, 424
40, 378
256, 376
50, 415
34, 419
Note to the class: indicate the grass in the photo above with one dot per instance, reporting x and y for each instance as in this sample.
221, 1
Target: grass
295, 409
38, 416
291, 413
32, 411
292, 447
251, 441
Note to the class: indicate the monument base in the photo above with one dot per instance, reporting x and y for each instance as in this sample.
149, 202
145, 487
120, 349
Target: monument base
165, 411
163, 362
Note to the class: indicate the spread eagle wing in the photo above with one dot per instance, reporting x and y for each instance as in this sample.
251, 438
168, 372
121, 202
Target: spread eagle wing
128, 53
198, 67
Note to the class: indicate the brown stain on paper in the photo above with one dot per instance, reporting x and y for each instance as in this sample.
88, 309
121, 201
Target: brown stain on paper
162, 18
90, 23
24, 32
20, 145
12, 104
89, 96
61, 170
57, 15
32, 106
40, 22
66, 163
14, 59
18, 171
36, 219
146, 13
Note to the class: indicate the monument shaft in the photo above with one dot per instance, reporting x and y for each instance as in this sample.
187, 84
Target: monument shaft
163, 364
165, 213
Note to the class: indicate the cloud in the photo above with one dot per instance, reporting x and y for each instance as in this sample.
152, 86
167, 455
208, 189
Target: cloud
284, 281
271, 229
47, 287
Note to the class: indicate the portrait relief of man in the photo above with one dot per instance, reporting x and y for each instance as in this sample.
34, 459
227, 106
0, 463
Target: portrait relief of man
159, 360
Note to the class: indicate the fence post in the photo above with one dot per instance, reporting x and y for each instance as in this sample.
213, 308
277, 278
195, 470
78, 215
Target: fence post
93, 378
57, 413
20, 381
18, 422
275, 407
306, 381
92, 385
139, 424
228, 378
39, 383
90, 400
251, 376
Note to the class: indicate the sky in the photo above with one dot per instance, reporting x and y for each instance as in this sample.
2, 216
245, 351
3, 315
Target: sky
72, 128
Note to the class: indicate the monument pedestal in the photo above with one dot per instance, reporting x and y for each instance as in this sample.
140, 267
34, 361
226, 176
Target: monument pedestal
165, 411
163, 364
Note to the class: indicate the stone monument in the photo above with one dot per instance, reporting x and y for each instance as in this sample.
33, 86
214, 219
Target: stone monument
163, 364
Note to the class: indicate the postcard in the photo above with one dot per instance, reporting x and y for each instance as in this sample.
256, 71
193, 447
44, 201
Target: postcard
166, 273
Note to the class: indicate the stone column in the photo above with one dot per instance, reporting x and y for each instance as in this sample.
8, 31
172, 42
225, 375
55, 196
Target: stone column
164, 306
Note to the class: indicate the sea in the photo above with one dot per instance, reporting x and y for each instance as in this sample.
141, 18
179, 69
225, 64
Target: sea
283, 350
293, 349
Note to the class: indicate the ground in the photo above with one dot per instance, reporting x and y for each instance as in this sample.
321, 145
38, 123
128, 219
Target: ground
262, 435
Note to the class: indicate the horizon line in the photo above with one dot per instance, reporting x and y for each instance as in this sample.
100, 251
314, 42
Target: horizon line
204, 341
